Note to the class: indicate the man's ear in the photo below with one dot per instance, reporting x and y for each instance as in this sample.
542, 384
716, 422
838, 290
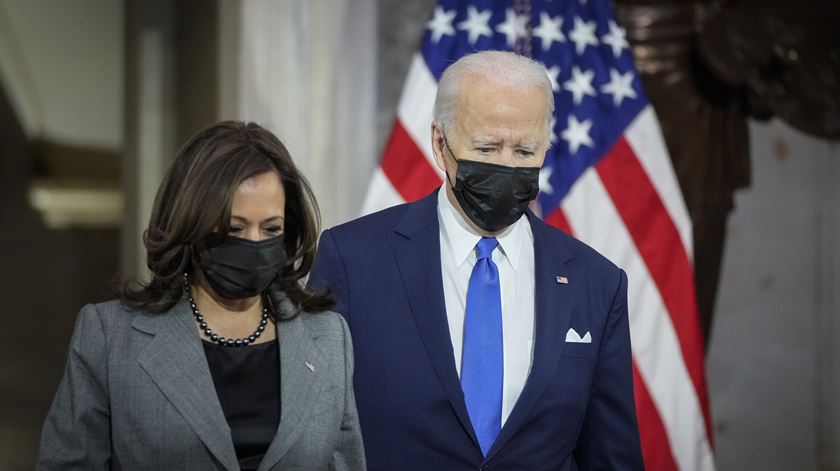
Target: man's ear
438, 146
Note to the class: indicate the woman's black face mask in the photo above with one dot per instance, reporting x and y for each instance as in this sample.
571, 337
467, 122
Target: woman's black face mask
493, 196
240, 268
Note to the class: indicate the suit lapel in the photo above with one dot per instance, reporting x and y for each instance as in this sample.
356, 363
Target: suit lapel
298, 383
418, 260
553, 304
175, 361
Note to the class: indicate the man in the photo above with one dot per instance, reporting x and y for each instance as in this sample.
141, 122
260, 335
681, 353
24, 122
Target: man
484, 338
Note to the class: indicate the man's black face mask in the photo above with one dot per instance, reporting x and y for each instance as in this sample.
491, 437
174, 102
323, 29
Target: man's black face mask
493, 196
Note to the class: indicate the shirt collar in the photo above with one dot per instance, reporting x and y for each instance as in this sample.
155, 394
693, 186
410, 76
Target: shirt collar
462, 238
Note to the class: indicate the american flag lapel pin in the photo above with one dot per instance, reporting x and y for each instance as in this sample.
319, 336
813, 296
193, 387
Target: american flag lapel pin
562, 280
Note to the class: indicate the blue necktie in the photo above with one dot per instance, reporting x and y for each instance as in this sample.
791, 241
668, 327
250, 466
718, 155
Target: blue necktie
482, 363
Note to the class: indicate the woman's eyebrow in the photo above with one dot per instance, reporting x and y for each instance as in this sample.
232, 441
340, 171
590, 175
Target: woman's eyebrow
277, 217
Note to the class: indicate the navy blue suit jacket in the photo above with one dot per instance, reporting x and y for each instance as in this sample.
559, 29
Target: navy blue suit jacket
576, 410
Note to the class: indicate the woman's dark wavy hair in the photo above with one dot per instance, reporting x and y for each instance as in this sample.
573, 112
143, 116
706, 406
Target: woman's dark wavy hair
192, 209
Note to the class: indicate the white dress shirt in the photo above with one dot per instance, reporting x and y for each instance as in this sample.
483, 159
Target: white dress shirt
515, 259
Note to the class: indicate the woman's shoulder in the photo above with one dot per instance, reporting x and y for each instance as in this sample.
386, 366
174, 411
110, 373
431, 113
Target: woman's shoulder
108, 315
327, 327
330, 333
99, 325
108, 308
327, 322
317, 322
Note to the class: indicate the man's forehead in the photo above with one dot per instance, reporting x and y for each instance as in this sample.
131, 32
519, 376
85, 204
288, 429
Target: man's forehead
482, 96
478, 85
493, 128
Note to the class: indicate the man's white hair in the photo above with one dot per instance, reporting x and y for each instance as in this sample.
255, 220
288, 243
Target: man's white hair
497, 67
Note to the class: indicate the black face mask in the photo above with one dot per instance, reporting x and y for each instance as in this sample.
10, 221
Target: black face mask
494, 196
241, 268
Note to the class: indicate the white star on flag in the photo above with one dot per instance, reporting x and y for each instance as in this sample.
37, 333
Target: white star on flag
583, 34
549, 30
514, 26
580, 84
545, 180
620, 86
476, 24
553, 73
616, 39
441, 23
577, 133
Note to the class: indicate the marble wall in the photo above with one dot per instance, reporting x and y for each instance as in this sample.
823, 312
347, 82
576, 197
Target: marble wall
774, 355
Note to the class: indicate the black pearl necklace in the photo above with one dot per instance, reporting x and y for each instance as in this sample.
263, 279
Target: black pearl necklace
214, 337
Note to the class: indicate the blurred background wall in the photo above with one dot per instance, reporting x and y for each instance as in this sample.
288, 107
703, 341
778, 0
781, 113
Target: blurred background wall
97, 95
773, 362
62, 76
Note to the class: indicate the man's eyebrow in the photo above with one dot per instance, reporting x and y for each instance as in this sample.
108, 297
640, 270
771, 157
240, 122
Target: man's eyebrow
485, 140
529, 146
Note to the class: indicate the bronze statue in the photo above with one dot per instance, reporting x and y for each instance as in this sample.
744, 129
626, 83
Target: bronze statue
709, 65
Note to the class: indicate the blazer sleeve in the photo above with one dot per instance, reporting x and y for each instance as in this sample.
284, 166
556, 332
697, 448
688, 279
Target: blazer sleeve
610, 435
349, 455
76, 433
329, 272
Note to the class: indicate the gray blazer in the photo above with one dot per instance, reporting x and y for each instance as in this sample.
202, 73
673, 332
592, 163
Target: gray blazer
137, 394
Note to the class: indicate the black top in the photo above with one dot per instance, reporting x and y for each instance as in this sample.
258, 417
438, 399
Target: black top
247, 381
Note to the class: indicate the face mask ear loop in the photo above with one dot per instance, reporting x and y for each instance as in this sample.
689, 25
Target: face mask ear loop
446, 143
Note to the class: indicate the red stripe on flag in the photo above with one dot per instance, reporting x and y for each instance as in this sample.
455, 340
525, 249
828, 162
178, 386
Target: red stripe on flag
558, 219
405, 165
656, 449
659, 244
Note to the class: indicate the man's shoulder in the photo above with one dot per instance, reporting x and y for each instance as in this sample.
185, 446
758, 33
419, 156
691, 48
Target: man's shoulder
384, 222
577, 250
384, 219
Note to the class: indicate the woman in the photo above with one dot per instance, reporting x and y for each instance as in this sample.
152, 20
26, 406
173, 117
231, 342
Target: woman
223, 360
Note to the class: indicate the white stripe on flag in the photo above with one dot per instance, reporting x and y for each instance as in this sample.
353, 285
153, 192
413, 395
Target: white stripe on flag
645, 138
656, 349
415, 110
381, 193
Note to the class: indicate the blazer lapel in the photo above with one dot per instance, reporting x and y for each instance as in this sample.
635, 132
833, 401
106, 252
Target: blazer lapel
298, 383
418, 260
175, 361
553, 304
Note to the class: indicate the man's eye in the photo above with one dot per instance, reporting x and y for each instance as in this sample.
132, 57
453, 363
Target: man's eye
484, 150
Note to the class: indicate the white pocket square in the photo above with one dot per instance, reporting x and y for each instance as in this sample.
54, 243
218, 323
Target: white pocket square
573, 337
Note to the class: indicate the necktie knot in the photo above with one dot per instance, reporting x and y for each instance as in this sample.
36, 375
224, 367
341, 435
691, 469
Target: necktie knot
485, 247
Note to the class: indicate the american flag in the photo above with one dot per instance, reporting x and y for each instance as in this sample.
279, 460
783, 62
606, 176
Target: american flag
607, 180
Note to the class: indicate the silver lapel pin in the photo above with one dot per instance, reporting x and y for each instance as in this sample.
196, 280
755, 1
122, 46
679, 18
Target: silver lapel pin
310, 366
